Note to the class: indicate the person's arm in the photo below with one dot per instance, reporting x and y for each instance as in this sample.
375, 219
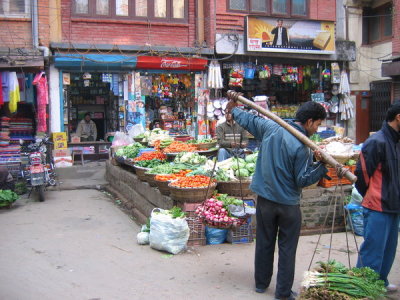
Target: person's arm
79, 130
253, 124
221, 138
307, 172
366, 165
244, 139
274, 31
94, 131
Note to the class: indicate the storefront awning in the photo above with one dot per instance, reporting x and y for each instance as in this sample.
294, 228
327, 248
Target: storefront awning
171, 63
109, 62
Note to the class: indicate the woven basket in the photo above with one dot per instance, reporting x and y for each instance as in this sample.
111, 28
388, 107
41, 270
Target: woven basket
232, 188
140, 172
191, 195
204, 146
163, 187
150, 179
223, 225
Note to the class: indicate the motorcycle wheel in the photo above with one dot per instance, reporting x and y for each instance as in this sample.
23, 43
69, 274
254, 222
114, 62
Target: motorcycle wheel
40, 191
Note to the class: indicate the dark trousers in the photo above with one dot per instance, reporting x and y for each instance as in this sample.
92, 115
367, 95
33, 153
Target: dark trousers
284, 221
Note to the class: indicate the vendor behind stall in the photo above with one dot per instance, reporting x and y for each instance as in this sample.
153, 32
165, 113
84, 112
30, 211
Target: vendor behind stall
87, 129
230, 136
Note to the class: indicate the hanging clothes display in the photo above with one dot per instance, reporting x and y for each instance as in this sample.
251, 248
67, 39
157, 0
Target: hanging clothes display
4, 86
14, 95
1, 91
42, 100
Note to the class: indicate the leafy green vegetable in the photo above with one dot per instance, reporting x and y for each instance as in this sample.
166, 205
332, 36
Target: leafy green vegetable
350, 162
7, 197
149, 163
167, 168
242, 173
129, 151
176, 212
356, 282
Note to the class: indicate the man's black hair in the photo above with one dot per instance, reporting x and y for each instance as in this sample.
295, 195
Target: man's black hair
88, 114
310, 110
393, 111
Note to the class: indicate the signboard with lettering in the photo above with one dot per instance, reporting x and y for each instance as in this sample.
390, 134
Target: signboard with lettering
265, 34
171, 63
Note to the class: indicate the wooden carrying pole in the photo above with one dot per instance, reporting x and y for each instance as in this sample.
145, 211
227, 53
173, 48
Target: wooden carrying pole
305, 140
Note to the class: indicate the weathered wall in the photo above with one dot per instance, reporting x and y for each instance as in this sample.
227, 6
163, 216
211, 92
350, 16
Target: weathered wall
126, 32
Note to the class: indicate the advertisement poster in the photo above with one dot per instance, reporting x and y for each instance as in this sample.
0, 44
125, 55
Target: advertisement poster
265, 34
135, 107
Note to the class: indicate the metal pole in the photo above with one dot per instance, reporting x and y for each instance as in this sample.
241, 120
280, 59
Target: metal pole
305, 140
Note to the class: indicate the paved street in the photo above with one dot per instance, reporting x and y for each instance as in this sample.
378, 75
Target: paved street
79, 244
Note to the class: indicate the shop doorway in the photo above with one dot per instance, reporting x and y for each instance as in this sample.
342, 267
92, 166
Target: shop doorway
380, 102
93, 93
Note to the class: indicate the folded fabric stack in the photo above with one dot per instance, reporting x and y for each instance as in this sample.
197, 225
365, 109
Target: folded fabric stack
20, 129
4, 132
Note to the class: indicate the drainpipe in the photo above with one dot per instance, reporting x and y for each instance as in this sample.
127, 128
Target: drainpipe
35, 30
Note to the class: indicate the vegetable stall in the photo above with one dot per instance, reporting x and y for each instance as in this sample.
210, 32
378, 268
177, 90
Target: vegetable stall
165, 173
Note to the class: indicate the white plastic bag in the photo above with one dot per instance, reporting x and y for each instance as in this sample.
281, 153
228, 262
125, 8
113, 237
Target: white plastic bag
136, 130
143, 238
121, 139
166, 233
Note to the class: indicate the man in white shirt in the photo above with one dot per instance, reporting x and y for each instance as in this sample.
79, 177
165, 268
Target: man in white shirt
87, 129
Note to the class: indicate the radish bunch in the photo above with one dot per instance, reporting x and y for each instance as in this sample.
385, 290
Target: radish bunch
214, 213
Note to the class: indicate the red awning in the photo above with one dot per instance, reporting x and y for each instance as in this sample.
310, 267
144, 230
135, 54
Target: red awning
171, 63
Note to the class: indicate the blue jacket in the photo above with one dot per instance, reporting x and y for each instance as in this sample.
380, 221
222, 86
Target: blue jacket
284, 165
378, 178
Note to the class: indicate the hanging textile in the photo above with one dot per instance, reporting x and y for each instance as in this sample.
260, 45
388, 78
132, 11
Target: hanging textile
1, 91
13, 87
40, 82
4, 85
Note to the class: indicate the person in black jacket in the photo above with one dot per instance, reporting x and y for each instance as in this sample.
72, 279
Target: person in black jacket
280, 35
379, 183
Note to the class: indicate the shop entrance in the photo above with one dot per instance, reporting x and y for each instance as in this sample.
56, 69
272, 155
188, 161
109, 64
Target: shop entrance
91, 93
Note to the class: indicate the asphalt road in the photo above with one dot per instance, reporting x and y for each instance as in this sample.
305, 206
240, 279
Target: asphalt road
79, 244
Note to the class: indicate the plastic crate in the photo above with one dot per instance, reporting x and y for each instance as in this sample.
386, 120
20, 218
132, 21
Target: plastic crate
197, 235
335, 179
241, 235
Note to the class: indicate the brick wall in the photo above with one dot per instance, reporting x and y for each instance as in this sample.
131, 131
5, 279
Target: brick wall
127, 32
43, 15
396, 28
227, 21
15, 33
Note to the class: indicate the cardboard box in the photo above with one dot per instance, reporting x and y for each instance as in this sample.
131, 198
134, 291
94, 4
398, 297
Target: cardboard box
60, 144
75, 139
59, 136
63, 162
61, 152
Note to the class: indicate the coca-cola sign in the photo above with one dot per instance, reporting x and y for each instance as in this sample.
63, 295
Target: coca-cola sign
171, 63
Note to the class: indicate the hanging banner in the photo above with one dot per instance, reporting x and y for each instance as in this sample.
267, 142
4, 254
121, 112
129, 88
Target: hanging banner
266, 34
171, 63
135, 106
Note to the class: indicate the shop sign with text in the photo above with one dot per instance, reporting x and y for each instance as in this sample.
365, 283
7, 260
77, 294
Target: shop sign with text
171, 63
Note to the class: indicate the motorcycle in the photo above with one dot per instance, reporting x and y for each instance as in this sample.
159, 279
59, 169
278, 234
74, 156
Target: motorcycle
38, 170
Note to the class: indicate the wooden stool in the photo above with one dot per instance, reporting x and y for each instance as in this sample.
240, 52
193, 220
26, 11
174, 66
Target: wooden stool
78, 152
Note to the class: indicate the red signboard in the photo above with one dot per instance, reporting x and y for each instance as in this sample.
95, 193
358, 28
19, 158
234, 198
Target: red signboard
171, 63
